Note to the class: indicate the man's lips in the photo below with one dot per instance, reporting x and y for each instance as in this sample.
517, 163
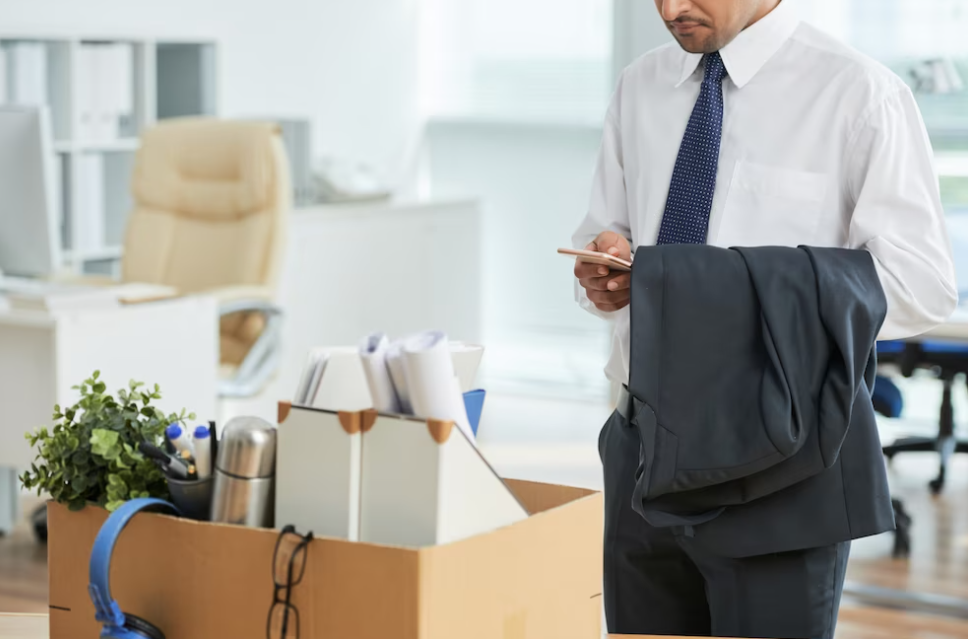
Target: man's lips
686, 27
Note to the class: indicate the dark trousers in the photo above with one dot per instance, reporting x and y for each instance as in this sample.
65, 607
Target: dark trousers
661, 583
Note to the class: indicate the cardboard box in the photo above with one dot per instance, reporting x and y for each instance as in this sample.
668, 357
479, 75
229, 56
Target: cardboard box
537, 579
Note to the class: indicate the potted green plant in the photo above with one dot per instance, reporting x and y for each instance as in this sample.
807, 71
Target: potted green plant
91, 453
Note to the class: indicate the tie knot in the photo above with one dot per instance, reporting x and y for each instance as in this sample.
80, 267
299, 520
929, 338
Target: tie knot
715, 69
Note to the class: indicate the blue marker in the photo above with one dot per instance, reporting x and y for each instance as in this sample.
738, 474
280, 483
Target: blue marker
179, 439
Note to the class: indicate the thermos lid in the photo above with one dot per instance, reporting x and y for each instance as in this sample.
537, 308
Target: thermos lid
247, 448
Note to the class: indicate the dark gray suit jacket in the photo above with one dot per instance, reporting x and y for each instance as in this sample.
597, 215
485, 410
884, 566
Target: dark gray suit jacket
751, 374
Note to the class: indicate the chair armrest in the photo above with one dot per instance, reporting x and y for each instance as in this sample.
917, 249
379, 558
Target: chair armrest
239, 299
226, 294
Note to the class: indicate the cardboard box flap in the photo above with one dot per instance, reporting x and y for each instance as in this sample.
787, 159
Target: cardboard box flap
537, 497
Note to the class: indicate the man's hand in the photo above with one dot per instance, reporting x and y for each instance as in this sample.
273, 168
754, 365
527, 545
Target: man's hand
608, 290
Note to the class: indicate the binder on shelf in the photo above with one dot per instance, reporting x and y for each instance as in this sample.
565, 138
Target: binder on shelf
386, 479
87, 92
105, 91
3, 76
123, 66
27, 70
89, 236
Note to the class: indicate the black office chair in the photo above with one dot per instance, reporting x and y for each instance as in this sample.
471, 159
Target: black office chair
889, 402
947, 360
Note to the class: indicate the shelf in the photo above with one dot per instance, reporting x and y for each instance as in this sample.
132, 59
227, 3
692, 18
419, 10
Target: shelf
106, 253
108, 146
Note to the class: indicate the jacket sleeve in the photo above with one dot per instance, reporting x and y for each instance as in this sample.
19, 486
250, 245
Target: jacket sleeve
898, 216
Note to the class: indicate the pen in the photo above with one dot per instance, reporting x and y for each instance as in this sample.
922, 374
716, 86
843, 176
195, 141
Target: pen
179, 438
157, 454
169, 447
214, 437
203, 453
173, 470
177, 471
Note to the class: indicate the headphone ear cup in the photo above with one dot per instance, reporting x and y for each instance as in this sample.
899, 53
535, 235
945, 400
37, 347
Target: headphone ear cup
142, 627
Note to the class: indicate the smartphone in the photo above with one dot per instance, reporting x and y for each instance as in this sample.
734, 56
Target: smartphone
594, 257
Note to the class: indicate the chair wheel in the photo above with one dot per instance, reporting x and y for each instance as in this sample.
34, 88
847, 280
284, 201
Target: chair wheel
936, 486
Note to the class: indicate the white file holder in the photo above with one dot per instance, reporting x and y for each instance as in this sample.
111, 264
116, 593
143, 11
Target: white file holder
385, 479
318, 470
343, 386
424, 483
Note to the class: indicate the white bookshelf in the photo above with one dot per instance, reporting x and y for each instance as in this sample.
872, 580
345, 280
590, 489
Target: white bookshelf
102, 93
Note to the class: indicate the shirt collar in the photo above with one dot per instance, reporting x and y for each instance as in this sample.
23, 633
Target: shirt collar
751, 49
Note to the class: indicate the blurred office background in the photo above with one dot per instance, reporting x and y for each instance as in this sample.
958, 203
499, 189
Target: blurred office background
498, 103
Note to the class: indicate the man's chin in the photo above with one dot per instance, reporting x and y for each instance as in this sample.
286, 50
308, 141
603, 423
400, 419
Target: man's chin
692, 44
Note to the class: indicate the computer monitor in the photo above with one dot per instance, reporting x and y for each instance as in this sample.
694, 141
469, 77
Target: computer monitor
29, 242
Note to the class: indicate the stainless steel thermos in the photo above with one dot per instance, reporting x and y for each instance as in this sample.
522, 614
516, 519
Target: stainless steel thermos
244, 473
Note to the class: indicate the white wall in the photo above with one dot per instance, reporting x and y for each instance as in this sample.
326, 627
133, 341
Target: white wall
350, 65
637, 30
534, 182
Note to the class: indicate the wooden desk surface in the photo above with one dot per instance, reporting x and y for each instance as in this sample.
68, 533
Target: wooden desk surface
35, 627
23, 626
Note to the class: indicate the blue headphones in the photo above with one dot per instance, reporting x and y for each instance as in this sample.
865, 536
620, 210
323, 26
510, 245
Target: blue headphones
117, 624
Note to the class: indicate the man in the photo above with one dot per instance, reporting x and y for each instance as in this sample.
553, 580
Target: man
752, 129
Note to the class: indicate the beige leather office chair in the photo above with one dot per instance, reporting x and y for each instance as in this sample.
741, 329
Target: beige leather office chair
212, 200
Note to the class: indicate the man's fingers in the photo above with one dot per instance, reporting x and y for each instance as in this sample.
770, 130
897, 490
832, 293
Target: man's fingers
619, 282
613, 244
611, 283
584, 270
606, 297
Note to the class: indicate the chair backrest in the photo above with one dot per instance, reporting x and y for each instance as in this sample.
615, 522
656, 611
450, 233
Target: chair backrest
212, 199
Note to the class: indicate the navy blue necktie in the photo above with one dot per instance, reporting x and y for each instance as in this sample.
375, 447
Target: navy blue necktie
686, 217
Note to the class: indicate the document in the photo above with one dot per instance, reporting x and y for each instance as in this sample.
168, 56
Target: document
398, 375
433, 387
312, 375
373, 353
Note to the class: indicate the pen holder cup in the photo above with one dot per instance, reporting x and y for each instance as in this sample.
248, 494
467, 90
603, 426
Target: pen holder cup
192, 498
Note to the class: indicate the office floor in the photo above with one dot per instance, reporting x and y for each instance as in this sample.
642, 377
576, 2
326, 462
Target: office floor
554, 440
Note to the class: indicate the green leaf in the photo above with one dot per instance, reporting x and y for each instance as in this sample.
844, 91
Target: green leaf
76, 504
105, 443
111, 506
79, 483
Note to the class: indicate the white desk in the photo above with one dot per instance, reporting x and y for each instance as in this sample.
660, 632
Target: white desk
173, 344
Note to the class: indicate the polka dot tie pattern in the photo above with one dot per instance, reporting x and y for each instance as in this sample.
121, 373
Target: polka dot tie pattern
686, 217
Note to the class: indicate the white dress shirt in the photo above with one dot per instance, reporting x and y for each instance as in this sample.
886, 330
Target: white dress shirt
821, 146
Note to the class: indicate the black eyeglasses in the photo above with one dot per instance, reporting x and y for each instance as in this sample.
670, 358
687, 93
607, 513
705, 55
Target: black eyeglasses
288, 567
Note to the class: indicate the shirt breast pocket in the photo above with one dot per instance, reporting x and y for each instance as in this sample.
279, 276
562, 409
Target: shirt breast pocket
769, 206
